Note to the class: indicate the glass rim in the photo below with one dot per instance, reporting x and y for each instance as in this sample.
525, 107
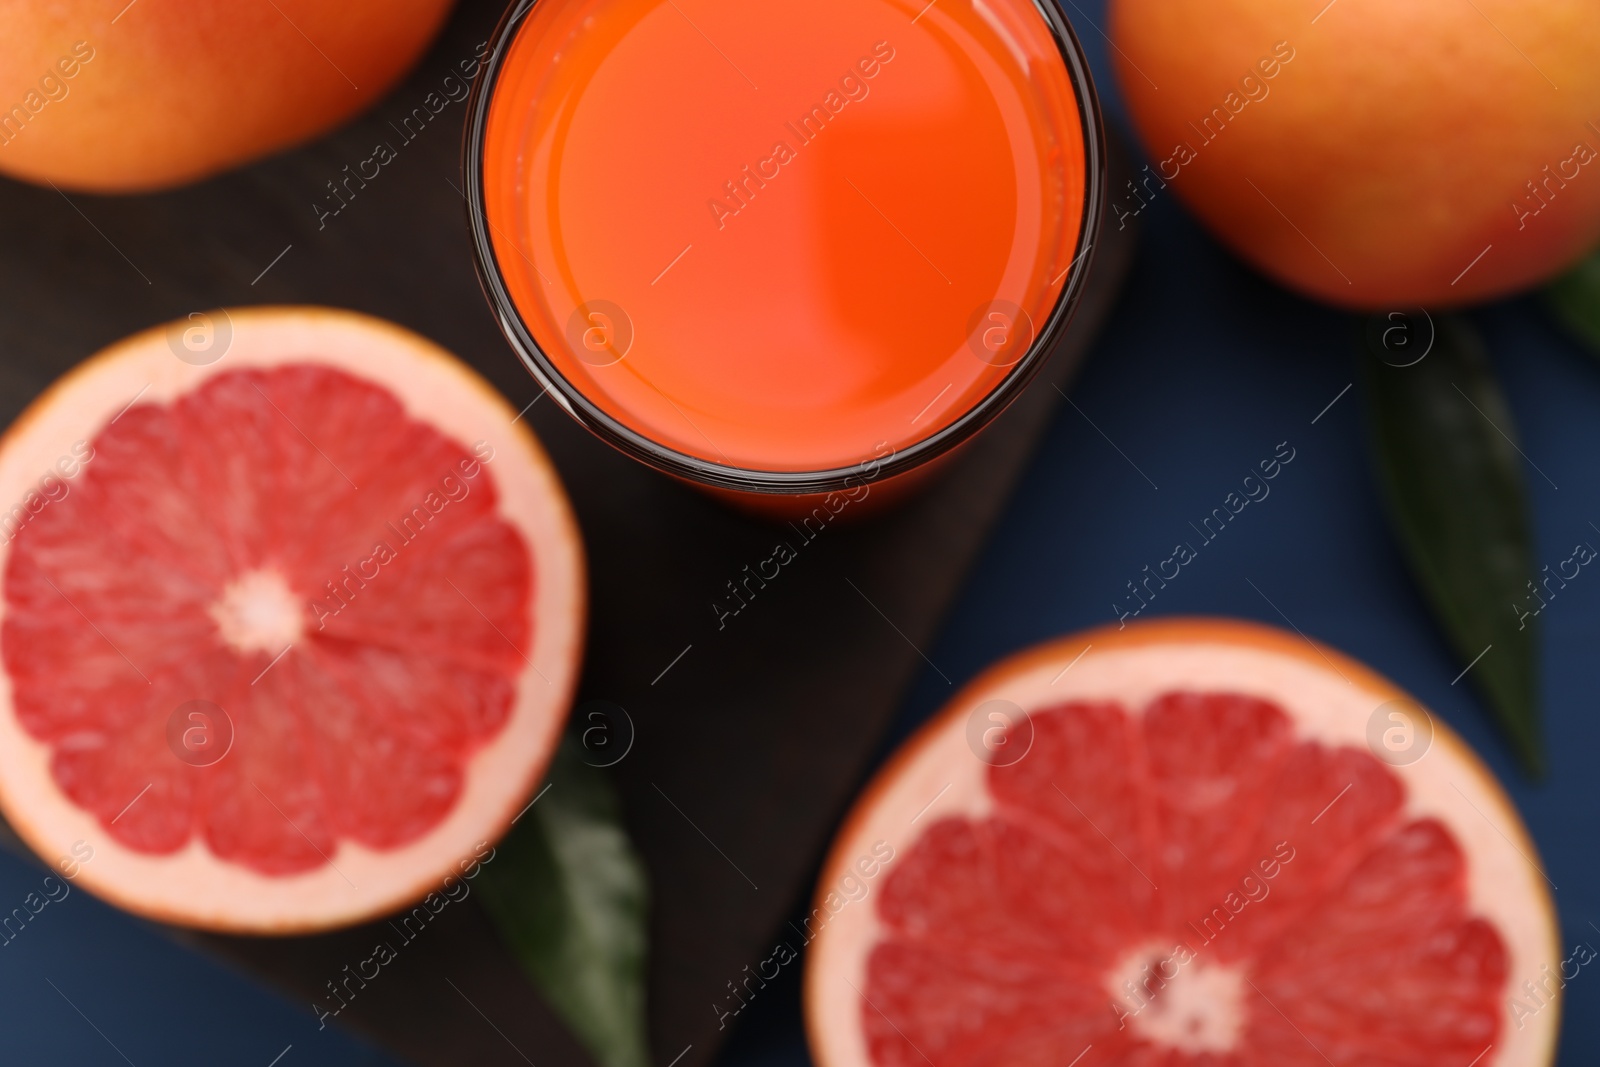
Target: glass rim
706, 472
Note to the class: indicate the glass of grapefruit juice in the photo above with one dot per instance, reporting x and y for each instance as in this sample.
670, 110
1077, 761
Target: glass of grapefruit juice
784, 250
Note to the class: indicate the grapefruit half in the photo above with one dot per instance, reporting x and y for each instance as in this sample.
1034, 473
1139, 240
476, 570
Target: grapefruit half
1198, 858
293, 609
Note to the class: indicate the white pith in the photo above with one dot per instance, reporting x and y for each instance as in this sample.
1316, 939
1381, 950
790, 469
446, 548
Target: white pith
258, 612
1191, 1006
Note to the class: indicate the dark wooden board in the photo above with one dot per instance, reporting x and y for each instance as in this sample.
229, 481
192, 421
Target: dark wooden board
748, 748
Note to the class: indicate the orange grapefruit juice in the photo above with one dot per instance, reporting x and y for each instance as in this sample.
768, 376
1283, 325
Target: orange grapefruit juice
784, 237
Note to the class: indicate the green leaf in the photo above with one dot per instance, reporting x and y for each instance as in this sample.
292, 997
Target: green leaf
570, 897
1575, 299
1451, 474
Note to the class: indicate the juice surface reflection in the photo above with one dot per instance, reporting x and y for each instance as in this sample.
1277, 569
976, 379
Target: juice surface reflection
781, 236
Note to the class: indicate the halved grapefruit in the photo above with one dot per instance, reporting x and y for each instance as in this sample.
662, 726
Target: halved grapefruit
293, 608
1197, 859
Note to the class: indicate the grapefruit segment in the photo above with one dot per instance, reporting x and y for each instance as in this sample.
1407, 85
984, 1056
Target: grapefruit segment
338, 546
1198, 860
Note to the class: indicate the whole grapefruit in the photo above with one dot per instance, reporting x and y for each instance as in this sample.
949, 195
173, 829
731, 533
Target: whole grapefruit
112, 96
1373, 153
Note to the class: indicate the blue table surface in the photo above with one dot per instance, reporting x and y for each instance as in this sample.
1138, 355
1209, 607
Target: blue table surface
1204, 369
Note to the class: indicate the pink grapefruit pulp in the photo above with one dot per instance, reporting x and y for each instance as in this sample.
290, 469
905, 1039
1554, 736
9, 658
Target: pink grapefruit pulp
286, 635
